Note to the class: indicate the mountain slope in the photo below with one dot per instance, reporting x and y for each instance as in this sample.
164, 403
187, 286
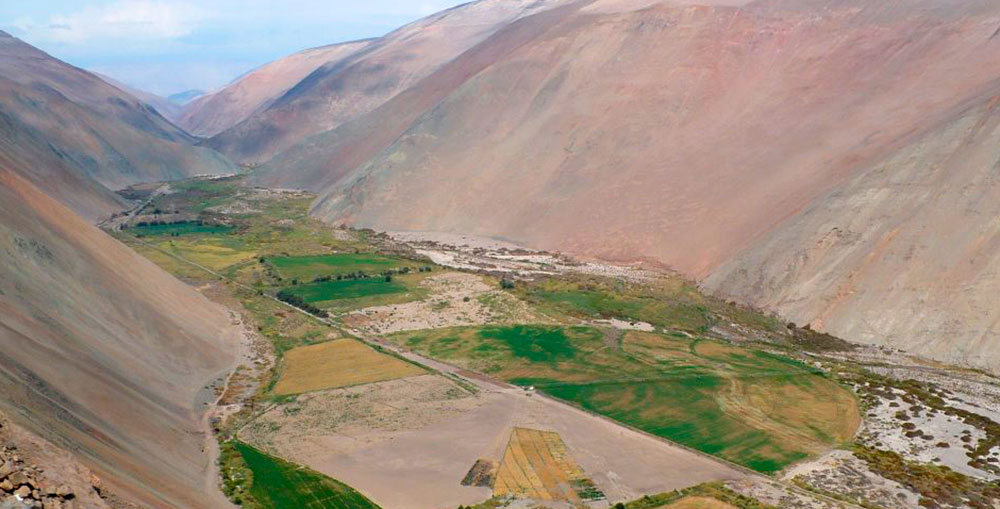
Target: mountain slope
213, 113
344, 89
96, 131
29, 149
103, 353
906, 254
683, 134
168, 109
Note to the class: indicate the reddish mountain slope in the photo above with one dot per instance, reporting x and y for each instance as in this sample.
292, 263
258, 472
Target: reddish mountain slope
213, 113
346, 88
103, 353
53, 112
169, 110
906, 254
680, 133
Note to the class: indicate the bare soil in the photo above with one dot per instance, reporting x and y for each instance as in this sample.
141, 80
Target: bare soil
409, 443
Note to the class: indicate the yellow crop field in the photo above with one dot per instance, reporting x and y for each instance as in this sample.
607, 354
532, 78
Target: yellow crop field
536, 465
700, 503
338, 363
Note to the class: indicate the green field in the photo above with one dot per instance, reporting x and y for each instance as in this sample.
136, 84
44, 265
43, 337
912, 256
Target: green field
196, 195
334, 290
305, 268
760, 410
182, 228
278, 483
670, 303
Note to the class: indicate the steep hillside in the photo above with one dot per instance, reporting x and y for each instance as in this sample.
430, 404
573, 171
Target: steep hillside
683, 134
104, 354
165, 107
28, 150
213, 113
346, 88
95, 130
906, 254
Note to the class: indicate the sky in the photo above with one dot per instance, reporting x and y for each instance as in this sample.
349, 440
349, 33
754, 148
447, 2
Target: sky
169, 46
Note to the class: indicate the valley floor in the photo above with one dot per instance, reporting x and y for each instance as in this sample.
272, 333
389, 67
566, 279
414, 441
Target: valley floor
395, 364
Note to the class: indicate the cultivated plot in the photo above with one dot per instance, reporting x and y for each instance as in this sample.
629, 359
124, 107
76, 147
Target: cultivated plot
278, 483
180, 228
751, 407
305, 268
325, 291
338, 363
536, 465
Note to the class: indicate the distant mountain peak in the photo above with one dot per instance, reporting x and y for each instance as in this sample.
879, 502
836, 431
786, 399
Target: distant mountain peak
185, 97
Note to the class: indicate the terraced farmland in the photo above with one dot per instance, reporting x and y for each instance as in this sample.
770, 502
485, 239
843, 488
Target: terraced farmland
536, 465
278, 483
338, 363
751, 407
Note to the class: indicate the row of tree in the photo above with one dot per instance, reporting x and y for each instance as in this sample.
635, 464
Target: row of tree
299, 302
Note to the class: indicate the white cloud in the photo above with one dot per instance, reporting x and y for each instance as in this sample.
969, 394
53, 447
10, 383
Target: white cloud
121, 21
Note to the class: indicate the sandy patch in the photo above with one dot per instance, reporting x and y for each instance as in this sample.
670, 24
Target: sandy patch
841, 472
456, 298
889, 421
626, 325
468, 252
779, 495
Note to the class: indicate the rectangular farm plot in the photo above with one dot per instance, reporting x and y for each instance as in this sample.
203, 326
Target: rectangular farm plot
326, 291
536, 465
305, 268
339, 363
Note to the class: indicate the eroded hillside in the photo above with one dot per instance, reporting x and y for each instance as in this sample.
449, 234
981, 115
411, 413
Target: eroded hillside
104, 353
692, 135
213, 113
68, 130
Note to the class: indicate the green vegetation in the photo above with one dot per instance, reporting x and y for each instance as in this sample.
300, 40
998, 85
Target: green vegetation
285, 328
673, 304
196, 195
305, 268
325, 291
751, 407
273, 482
270, 244
715, 490
180, 228
534, 343
938, 486
236, 476
914, 391
299, 302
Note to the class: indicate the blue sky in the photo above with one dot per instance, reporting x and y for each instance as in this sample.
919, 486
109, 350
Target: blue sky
167, 46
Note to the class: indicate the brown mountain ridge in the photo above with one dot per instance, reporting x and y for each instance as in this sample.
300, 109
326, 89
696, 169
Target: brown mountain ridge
689, 134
